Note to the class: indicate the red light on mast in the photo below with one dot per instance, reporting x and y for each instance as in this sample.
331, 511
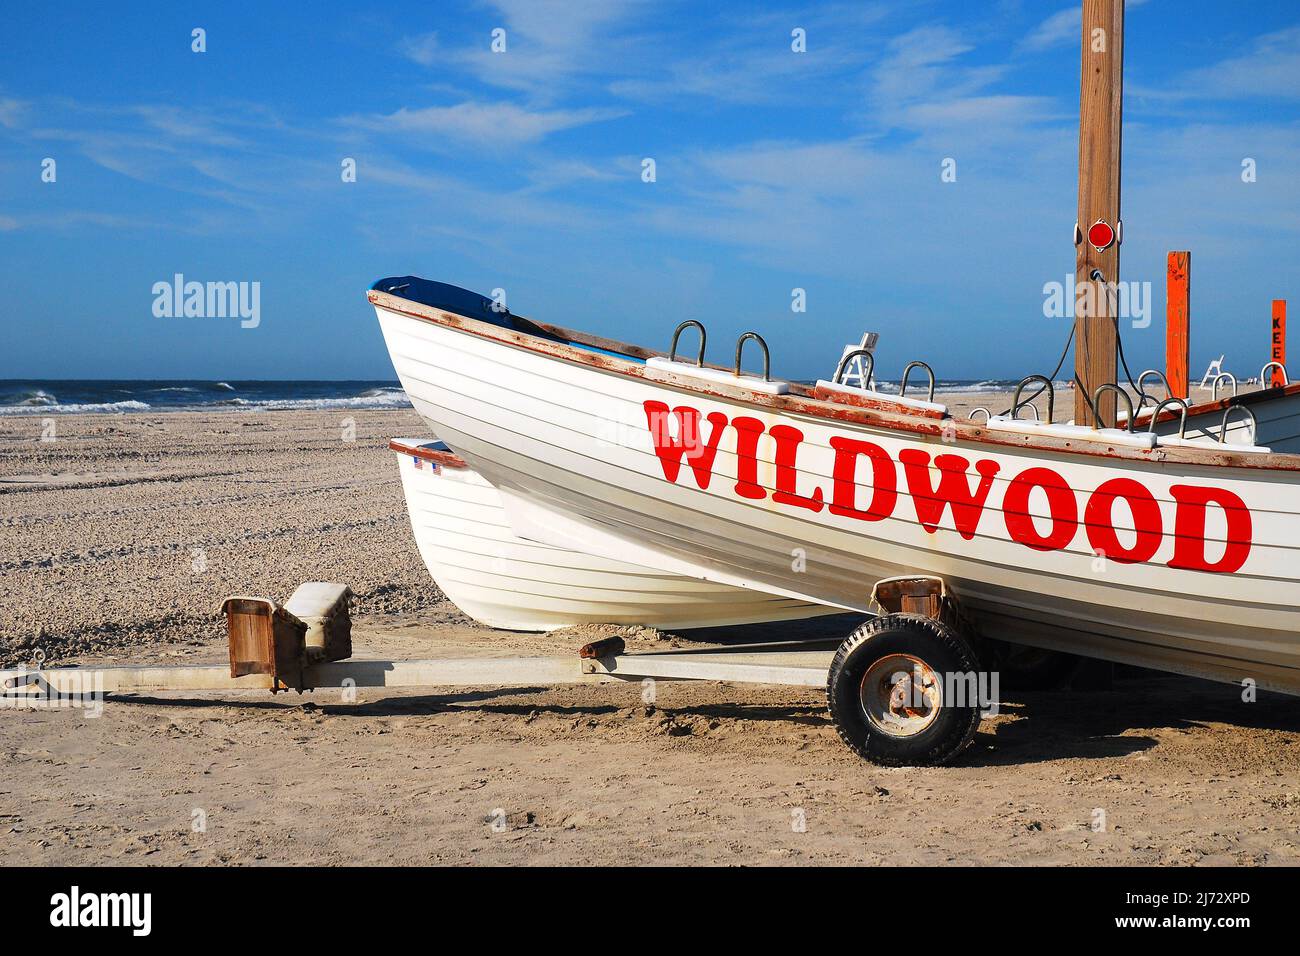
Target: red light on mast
1101, 235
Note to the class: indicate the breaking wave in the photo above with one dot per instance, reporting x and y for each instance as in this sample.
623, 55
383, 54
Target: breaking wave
19, 397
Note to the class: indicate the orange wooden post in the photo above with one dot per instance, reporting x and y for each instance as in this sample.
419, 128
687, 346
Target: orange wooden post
1178, 317
1279, 340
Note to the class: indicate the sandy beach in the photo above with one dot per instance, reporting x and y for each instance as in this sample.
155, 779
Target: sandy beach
120, 537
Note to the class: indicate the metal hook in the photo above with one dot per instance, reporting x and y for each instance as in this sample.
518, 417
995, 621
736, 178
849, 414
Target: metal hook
1096, 404
1171, 400
1156, 372
1214, 395
1223, 427
767, 358
844, 363
1263, 374
677, 334
1142, 393
1051, 397
902, 389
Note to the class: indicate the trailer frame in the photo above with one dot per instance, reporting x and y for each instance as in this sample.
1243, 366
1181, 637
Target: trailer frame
274, 649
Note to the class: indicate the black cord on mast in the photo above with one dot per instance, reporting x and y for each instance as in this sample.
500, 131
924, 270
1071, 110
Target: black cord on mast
1056, 371
1119, 344
1123, 361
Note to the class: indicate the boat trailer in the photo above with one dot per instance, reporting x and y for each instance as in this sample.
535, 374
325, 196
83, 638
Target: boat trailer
877, 699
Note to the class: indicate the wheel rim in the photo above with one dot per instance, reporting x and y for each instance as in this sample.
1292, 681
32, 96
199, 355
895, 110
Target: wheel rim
901, 695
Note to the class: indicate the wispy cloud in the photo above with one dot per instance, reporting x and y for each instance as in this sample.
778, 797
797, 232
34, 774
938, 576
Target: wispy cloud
421, 49
10, 111
753, 62
728, 76
1270, 68
927, 84
918, 65
505, 124
189, 126
1057, 30
548, 43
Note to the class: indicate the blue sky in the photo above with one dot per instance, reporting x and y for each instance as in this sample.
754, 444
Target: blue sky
522, 170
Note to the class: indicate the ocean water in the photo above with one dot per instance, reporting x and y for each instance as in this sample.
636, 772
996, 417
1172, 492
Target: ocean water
106, 396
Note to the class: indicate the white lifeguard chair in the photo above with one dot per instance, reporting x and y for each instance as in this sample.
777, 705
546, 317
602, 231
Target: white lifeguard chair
855, 372
1214, 370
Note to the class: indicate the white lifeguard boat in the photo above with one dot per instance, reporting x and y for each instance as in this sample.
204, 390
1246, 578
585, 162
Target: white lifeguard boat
503, 581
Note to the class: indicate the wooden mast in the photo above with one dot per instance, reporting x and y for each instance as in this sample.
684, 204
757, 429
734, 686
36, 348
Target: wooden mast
1101, 96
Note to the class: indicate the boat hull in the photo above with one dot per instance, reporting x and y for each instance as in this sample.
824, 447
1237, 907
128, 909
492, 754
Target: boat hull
569, 442
504, 581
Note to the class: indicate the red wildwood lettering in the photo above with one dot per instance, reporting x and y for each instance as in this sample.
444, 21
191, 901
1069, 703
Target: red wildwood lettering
1060, 505
884, 480
1189, 529
787, 447
1146, 521
958, 491
747, 432
671, 450
953, 491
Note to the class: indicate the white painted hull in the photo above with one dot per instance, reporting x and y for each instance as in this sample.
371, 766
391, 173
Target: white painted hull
566, 440
506, 582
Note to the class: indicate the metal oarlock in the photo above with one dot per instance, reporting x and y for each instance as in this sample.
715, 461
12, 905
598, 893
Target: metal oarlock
902, 389
1214, 386
767, 357
677, 334
1096, 403
1263, 374
1051, 397
1223, 426
844, 364
1171, 400
987, 414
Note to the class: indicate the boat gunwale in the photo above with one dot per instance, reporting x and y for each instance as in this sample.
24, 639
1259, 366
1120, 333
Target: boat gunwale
1261, 395
448, 459
801, 400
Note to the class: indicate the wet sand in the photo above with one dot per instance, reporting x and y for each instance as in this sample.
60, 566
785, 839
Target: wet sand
119, 539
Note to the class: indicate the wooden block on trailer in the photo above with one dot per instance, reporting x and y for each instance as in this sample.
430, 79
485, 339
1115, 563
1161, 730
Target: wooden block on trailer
264, 638
911, 595
924, 596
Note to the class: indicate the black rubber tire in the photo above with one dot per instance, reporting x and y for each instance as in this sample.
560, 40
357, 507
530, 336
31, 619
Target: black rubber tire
942, 649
